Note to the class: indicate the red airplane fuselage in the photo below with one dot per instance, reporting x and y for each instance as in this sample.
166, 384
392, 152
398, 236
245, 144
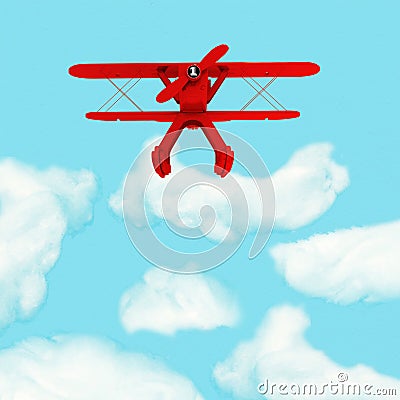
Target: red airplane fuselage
194, 95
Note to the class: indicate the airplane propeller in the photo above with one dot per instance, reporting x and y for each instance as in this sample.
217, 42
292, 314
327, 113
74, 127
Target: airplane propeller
208, 60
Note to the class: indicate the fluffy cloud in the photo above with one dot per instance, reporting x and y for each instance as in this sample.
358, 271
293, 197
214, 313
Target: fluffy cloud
280, 354
166, 302
37, 208
345, 266
86, 369
305, 187
183, 202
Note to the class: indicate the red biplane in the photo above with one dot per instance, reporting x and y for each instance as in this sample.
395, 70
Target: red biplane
193, 90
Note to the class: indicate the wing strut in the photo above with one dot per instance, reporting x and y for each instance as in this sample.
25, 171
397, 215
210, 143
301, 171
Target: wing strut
260, 93
120, 97
269, 94
123, 93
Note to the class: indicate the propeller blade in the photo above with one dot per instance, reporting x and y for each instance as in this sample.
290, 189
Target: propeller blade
209, 59
213, 56
172, 89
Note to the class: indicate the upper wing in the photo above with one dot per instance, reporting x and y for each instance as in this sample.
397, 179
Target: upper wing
123, 70
235, 70
265, 69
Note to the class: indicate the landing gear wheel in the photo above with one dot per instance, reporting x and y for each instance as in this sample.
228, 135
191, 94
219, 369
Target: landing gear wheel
223, 161
161, 163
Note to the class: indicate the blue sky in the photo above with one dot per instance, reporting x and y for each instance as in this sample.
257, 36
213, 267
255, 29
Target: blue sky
352, 104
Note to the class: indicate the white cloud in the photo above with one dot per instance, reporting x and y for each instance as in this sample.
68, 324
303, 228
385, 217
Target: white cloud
305, 188
166, 302
115, 202
280, 353
86, 369
37, 208
345, 266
